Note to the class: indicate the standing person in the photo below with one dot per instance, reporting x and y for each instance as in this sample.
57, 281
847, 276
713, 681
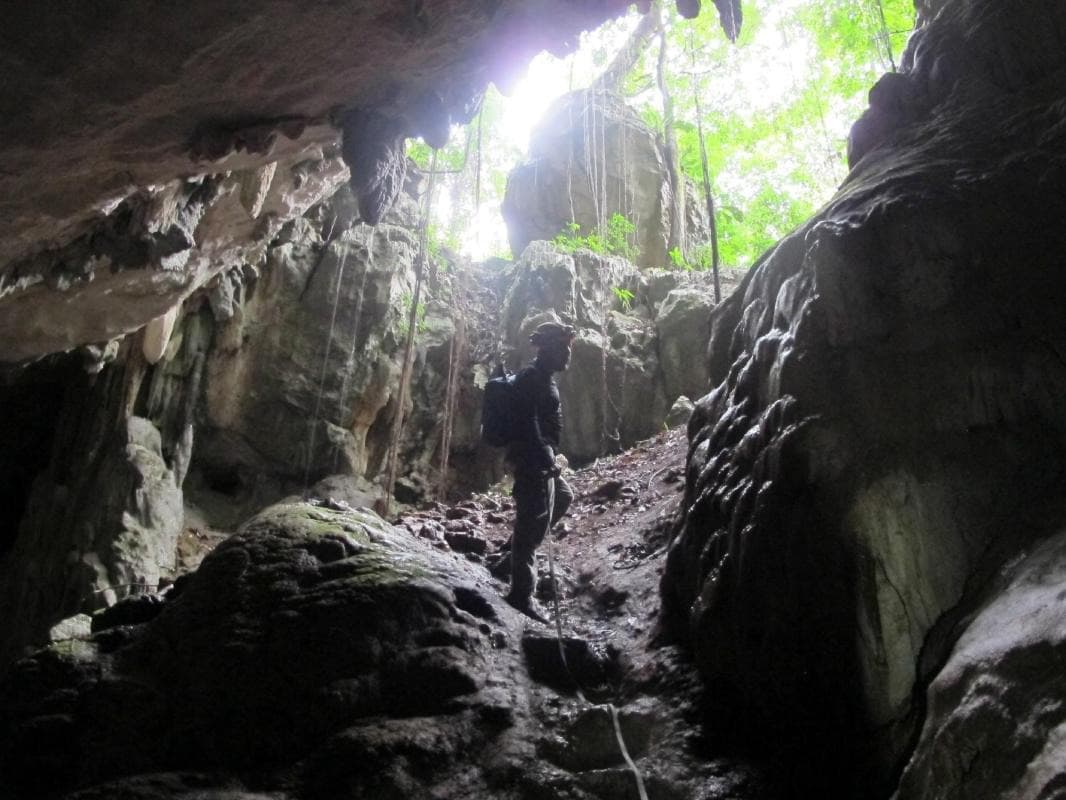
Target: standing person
541, 496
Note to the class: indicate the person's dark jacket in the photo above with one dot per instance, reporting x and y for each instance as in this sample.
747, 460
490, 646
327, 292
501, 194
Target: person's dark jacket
541, 421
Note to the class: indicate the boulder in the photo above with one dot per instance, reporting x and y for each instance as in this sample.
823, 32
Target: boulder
683, 326
304, 624
591, 156
995, 724
680, 412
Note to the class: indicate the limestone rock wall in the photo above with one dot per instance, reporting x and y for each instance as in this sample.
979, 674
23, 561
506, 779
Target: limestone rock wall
101, 520
631, 358
887, 424
149, 250
995, 720
591, 156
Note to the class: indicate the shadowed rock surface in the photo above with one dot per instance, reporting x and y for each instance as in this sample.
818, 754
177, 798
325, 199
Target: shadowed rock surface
292, 630
321, 653
888, 424
996, 713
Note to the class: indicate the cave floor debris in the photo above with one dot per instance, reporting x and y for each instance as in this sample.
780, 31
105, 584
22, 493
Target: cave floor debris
609, 553
608, 556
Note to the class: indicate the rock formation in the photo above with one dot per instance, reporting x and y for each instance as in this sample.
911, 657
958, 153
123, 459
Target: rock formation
591, 156
887, 426
322, 653
283, 370
639, 344
150, 161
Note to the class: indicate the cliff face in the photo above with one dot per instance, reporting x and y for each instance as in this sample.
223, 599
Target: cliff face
887, 425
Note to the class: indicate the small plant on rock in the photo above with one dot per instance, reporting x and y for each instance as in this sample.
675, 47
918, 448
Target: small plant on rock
613, 240
625, 297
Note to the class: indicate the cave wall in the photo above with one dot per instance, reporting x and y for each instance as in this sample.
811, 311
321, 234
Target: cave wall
279, 377
888, 419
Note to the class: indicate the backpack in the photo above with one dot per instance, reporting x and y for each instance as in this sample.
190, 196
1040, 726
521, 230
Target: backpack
499, 411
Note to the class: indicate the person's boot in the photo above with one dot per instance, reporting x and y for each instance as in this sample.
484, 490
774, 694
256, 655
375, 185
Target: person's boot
527, 606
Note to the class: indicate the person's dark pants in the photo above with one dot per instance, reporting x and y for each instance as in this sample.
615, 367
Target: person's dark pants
533, 495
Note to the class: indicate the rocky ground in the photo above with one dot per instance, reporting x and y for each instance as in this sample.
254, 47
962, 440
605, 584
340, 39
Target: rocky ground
608, 555
318, 653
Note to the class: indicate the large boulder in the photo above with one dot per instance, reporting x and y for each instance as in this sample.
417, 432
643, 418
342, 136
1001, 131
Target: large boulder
591, 156
291, 639
888, 413
682, 327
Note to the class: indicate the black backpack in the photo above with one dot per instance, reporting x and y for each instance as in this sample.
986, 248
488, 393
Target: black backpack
499, 411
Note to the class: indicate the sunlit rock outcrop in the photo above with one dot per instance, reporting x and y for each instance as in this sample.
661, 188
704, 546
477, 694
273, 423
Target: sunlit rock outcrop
887, 425
591, 156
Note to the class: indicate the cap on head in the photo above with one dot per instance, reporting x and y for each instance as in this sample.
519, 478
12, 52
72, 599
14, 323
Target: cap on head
550, 332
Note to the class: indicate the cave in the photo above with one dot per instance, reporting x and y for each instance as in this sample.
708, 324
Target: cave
251, 544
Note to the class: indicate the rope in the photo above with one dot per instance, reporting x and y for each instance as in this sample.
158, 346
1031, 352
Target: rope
451, 392
637, 777
325, 358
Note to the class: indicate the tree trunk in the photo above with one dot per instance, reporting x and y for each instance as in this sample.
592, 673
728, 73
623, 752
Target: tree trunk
711, 218
610, 80
677, 186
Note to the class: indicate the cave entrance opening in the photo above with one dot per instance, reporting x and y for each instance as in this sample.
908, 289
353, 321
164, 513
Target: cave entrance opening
771, 111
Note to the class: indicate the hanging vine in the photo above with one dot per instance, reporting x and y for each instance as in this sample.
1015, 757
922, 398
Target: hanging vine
409, 347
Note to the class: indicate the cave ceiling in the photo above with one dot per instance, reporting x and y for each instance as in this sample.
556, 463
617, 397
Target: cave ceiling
122, 125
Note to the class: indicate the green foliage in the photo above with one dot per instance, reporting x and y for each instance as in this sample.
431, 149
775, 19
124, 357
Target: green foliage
701, 258
625, 297
612, 241
775, 111
419, 152
775, 108
678, 260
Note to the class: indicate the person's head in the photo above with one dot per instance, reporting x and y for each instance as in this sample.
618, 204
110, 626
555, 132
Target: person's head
553, 341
